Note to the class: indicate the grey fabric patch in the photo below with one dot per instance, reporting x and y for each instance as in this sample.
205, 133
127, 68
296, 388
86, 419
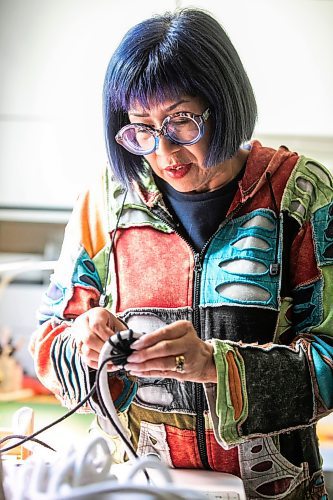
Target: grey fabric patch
238, 323
161, 394
271, 378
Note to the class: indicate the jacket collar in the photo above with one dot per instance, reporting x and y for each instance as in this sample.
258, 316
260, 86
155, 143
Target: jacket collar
260, 161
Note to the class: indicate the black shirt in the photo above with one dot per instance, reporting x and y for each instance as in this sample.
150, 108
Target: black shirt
199, 214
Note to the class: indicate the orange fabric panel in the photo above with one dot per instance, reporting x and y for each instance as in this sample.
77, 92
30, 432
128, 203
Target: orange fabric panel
235, 385
40, 347
88, 221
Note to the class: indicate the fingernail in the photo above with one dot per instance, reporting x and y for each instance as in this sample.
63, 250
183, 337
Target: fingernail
136, 344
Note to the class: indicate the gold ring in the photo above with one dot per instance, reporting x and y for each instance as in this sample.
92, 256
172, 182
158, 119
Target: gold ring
180, 364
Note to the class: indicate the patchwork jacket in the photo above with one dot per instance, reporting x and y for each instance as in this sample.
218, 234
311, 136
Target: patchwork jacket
261, 291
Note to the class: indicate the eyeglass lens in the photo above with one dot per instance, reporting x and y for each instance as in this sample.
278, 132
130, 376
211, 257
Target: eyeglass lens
181, 129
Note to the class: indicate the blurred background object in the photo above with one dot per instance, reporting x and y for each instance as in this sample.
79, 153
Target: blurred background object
18, 304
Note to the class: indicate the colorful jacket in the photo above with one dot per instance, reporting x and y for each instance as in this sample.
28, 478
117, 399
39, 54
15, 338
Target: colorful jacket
261, 291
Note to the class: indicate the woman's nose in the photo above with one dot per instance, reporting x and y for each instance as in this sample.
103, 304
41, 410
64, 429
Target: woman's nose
165, 146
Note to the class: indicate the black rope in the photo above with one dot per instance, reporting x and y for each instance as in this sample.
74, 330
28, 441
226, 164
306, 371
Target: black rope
22, 436
109, 416
95, 388
121, 348
104, 299
68, 414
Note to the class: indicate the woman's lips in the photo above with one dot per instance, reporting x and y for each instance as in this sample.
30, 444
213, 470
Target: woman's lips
178, 170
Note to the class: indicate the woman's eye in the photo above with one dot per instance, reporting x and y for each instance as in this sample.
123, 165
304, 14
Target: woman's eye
181, 120
142, 135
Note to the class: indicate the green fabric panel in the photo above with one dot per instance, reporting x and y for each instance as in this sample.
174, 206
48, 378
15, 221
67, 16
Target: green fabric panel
147, 179
309, 188
135, 212
283, 322
326, 326
182, 421
100, 261
228, 425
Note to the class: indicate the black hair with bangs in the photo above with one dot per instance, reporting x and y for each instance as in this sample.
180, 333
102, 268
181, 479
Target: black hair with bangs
168, 56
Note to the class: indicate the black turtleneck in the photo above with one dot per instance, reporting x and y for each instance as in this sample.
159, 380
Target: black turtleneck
199, 214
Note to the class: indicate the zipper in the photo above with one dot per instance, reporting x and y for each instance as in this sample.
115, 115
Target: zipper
196, 288
200, 399
201, 404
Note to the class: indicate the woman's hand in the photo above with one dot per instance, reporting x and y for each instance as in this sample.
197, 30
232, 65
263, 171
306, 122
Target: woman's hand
157, 354
91, 330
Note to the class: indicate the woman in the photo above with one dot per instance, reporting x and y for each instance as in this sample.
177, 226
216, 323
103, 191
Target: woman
221, 253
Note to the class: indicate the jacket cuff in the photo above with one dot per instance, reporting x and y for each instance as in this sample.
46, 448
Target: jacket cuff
76, 379
227, 400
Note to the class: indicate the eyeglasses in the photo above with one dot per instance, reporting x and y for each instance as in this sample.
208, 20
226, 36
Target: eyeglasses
181, 128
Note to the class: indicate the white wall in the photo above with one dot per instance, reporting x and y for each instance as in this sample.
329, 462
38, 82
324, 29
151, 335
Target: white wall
286, 47
53, 56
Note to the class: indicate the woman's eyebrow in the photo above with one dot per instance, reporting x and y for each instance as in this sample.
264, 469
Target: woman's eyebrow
176, 104
169, 108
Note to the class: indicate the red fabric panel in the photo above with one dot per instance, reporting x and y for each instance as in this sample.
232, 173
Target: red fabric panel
303, 264
156, 269
83, 298
183, 448
184, 451
254, 181
220, 459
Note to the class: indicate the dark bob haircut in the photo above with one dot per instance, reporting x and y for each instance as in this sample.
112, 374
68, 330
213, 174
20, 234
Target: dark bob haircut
167, 56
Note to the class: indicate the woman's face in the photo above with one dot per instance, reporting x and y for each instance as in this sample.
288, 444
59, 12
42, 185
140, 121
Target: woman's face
180, 166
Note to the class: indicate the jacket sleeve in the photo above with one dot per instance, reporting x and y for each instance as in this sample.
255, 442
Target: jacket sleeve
286, 384
75, 287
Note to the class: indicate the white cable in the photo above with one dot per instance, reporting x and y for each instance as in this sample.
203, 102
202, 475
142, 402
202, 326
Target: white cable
85, 475
148, 463
62, 474
37, 480
105, 393
87, 468
120, 491
144, 463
